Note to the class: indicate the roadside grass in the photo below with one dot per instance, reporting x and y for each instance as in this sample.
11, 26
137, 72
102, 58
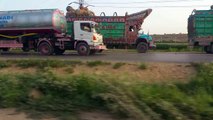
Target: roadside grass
42, 63
118, 65
4, 64
176, 47
97, 63
136, 100
171, 41
70, 70
142, 66
164, 47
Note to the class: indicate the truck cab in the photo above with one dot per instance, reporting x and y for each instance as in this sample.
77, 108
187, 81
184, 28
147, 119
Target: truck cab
144, 42
87, 40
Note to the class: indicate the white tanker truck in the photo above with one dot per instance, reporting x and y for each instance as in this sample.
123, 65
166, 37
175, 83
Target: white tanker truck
45, 31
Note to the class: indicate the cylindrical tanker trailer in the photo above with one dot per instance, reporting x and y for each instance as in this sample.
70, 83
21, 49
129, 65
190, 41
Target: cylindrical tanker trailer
33, 21
45, 31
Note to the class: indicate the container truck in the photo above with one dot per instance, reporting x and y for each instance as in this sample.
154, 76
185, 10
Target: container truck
45, 31
200, 29
116, 30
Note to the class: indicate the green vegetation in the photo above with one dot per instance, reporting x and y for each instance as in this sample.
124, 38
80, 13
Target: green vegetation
118, 65
176, 47
136, 100
4, 64
171, 41
97, 63
69, 70
38, 63
162, 47
142, 66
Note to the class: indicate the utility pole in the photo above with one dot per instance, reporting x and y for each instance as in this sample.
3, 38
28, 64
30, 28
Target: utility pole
81, 2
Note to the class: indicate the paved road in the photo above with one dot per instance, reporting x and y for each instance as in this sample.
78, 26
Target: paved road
120, 56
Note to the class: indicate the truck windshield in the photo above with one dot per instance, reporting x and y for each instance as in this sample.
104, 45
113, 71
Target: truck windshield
86, 27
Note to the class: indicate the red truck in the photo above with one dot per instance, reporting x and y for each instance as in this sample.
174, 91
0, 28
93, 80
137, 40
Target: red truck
116, 30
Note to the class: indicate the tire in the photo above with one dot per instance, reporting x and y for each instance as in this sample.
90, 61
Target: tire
92, 52
142, 47
58, 51
83, 49
5, 49
207, 49
45, 49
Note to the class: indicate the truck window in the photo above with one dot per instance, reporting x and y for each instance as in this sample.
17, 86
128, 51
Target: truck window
131, 29
86, 27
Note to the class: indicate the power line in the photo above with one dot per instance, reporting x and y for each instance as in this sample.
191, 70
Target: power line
152, 1
187, 6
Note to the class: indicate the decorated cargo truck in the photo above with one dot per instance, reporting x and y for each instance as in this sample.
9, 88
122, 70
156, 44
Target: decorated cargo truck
200, 29
116, 30
45, 31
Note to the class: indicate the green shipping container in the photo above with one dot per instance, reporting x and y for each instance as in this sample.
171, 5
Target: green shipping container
200, 29
203, 21
112, 30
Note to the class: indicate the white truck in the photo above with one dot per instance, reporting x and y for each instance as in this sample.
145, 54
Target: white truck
88, 41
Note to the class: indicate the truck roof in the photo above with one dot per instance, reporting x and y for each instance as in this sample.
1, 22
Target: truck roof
86, 22
203, 12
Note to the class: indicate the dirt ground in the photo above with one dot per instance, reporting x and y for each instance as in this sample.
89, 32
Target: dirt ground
13, 114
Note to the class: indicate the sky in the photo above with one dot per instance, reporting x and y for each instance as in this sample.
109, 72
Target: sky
167, 17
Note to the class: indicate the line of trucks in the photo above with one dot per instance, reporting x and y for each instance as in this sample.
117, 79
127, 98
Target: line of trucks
49, 31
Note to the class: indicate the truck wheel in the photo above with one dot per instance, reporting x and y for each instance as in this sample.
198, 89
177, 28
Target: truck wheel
142, 47
58, 51
92, 52
207, 49
45, 48
83, 49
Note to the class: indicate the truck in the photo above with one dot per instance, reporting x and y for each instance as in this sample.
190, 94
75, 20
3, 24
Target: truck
116, 30
45, 31
200, 29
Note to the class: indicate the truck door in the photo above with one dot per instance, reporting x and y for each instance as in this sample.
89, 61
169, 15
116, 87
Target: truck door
132, 33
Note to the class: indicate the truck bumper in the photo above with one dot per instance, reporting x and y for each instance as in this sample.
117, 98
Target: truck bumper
98, 47
152, 46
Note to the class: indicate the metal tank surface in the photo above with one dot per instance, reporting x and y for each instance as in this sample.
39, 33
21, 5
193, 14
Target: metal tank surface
33, 20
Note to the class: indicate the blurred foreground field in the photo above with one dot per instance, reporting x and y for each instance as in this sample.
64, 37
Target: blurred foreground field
75, 90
